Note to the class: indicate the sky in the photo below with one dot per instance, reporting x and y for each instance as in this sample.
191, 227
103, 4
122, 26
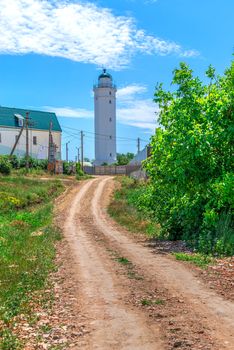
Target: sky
51, 53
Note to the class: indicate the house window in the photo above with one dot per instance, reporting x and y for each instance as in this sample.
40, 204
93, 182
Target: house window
20, 119
110, 101
34, 140
20, 122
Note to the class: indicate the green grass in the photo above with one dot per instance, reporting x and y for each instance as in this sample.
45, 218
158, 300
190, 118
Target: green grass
148, 302
83, 177
123, 261
124, 210
197, 259
27, 238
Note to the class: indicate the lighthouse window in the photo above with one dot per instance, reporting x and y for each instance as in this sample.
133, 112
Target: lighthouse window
110, 137
110, 119
110, 154
110, 101
110, 93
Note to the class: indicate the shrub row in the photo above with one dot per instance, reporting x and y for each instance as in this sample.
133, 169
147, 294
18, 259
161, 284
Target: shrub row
191, 165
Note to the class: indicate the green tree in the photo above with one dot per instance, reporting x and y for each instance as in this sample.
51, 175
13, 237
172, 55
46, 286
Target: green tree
191, 166
123, 159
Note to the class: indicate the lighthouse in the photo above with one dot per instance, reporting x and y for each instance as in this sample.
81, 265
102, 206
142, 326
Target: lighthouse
105, 119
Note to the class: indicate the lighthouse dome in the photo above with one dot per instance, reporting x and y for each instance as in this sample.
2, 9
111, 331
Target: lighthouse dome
104, 75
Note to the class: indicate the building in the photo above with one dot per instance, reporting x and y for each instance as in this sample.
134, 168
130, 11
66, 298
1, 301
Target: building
105, 119
13, 120
141, 156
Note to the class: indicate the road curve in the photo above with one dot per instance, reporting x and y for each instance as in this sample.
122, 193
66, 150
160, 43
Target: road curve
114, 323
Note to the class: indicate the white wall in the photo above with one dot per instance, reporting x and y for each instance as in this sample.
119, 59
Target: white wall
105, 124
139, 157
39, 151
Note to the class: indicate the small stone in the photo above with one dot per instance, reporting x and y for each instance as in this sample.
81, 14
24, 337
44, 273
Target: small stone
177, 344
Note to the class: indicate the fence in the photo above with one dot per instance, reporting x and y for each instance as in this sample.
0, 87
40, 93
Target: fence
111, 169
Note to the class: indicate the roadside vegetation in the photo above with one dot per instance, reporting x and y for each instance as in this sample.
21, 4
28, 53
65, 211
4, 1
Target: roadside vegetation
12, 165
126, 209
27, 238
189, 191
191, 166
197, 259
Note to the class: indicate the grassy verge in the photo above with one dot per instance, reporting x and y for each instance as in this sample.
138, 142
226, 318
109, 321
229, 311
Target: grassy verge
27, 239
83, 177
199, 260
123, 210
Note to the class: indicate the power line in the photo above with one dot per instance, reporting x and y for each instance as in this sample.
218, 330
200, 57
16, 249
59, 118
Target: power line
104, 135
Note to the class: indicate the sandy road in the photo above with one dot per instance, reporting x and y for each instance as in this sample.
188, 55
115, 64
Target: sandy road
203, 319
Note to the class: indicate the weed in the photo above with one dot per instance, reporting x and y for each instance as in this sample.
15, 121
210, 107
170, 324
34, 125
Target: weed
45, 328
159, 302
8, 341
123, 260
147, 302
197, 259
83, 177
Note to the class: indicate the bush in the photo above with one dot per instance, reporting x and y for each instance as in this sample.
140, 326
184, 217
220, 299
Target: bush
191, 163
79, 171
15, 163
69, 168
5, 165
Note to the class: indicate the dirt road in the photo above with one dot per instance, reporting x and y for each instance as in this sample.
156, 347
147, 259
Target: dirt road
130, 297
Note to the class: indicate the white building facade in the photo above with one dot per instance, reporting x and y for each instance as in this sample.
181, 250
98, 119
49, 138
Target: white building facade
105, 119
11, 123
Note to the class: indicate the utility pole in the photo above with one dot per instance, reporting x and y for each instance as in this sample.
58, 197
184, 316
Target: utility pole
27, 142
17, 140
67, 150
82, 149
50, 141
138, 144
78, 154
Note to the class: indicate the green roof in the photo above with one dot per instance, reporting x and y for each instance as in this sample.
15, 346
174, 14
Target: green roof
38, 120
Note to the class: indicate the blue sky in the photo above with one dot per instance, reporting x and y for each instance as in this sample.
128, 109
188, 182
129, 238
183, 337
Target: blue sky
51, 53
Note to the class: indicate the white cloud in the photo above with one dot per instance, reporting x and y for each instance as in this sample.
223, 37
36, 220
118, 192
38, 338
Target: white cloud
77, 31
150, 1
139, 113
69, 112
130, 90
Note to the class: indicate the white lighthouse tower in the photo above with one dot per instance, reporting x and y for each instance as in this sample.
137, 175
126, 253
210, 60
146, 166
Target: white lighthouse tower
105, 119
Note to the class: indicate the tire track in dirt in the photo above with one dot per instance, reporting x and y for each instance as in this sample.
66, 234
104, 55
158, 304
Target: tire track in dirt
212, 309
114, 324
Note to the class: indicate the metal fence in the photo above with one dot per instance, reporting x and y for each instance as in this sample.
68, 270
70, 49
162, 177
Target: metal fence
111, 169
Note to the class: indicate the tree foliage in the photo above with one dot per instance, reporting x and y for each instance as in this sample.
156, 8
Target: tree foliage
191, 166
124, 159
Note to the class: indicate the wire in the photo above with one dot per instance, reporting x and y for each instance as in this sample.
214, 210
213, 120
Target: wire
104, 135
